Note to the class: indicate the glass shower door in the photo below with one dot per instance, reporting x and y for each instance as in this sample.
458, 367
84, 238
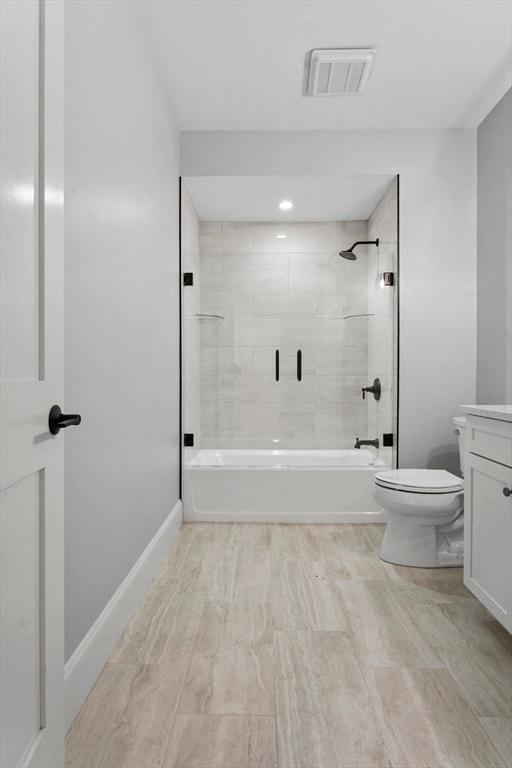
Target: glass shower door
286, 326
328, 354
243, 381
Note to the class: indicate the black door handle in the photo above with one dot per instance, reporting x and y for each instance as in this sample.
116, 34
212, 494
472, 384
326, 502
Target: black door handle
58, 420
277, 365
299, 365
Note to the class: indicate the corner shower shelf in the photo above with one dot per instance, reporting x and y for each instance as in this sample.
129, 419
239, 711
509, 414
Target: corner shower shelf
363, 314
203, 316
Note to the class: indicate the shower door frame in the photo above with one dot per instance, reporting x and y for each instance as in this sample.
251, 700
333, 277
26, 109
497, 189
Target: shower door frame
292, 375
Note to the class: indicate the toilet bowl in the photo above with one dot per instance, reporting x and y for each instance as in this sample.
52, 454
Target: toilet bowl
425, 514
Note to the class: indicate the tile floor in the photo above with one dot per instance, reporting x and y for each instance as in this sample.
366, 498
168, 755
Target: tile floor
259, 646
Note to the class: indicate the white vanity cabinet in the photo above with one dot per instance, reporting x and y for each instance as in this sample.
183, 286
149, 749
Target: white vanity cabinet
488, 509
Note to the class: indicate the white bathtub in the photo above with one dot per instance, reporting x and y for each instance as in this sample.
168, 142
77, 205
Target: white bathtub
282, 486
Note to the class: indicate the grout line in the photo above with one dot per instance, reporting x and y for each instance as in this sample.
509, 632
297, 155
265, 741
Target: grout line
272, 581
178, 698
276, 731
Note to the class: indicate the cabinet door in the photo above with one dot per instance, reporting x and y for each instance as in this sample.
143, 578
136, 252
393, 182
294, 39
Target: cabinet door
488, 536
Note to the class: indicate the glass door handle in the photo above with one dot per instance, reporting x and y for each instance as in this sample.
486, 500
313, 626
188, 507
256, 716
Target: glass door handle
277, 365
299, 365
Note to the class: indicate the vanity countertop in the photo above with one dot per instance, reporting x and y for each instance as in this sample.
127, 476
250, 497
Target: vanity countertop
502, 412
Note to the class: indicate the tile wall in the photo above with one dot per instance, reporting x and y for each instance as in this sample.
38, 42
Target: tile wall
382, 328
285, 293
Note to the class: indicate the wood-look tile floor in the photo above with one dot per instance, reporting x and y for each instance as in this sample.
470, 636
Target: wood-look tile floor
295, 646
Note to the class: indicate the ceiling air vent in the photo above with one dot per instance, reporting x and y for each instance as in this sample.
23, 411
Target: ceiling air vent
340, 72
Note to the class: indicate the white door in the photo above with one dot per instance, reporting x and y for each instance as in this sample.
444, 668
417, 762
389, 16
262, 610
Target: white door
32, 483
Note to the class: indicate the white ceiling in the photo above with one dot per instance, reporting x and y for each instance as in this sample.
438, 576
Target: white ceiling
315, 198
241, 64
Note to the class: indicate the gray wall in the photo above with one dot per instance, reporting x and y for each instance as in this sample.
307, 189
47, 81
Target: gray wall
121, 290
437, 252
494, 332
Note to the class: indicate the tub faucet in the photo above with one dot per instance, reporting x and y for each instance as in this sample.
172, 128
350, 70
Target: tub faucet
359, 442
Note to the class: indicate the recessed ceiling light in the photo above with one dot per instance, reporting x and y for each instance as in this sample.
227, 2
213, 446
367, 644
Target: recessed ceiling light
285, 205
281, 237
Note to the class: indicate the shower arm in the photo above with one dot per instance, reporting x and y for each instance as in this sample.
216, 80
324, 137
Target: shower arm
365, 242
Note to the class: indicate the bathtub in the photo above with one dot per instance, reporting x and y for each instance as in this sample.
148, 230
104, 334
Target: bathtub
296, 486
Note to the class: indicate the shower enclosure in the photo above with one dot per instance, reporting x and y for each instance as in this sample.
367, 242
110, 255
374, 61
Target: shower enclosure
280, 338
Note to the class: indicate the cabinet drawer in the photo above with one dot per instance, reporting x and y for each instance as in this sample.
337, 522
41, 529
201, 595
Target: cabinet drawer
489, 438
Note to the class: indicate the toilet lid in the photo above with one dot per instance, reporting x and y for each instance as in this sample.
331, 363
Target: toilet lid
419, 480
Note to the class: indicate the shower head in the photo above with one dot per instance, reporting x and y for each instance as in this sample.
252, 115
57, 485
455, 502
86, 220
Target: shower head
350, 255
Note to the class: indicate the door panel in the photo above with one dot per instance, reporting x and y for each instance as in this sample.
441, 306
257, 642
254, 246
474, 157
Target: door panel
20, 190
315, 329
243, 305
20, 639
32, 482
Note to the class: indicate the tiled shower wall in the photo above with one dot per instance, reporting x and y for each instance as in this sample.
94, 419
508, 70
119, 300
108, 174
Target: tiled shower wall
285, 293
382, 328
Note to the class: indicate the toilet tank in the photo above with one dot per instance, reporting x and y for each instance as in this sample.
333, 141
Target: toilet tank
459, 423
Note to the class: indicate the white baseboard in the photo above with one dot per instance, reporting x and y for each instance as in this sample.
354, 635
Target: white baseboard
84, 666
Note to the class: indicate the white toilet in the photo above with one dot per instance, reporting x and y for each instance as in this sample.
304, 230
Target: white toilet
425, 513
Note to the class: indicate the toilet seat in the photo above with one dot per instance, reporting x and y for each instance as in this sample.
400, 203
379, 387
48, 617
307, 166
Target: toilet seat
424, 481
